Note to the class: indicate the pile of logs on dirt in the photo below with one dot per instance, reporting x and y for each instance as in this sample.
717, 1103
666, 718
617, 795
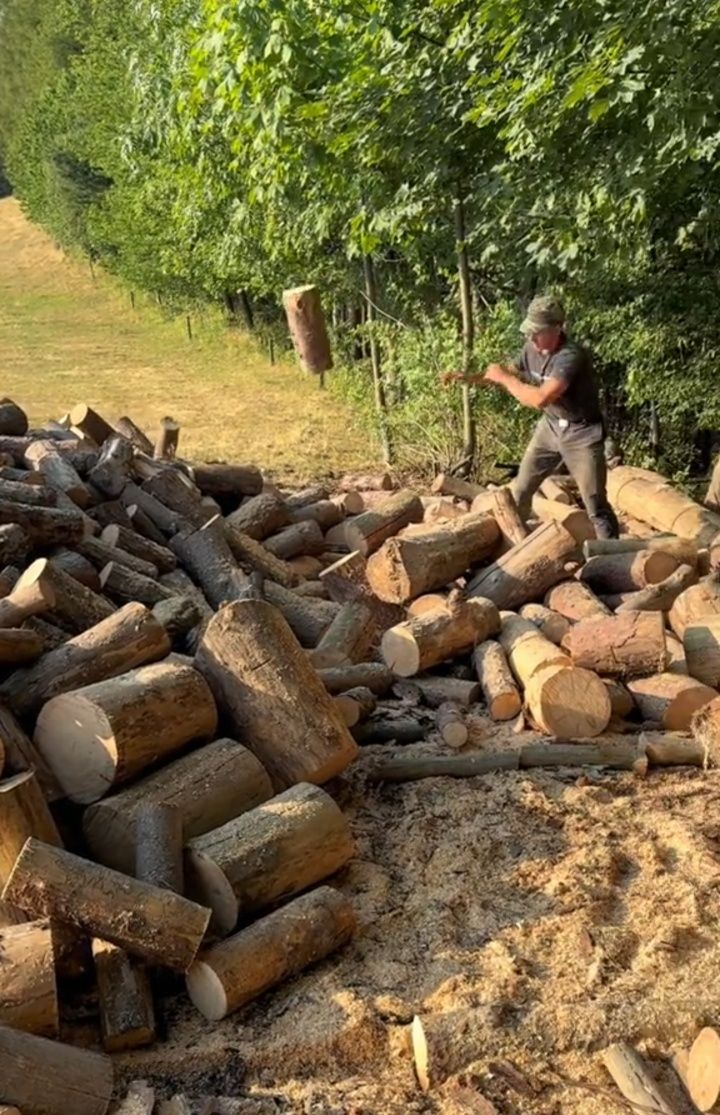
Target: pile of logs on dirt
189, 653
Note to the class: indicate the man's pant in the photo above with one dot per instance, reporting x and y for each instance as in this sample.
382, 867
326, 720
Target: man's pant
585, 461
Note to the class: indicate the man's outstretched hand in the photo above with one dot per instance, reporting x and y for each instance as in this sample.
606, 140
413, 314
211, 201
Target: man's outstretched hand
495, 373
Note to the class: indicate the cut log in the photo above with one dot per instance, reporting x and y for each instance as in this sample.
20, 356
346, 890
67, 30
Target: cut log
18, 645
309, 618
438, 511
436, 690
51, 635
9, 577
128, 638
659, 597
14, 544
499, 689
575, 601
50, 882
166, 443
132, 433
159, 846
306, 567
703, 1071
123, 584
625, 646
631, 1075
374, 676
179, 616
90, 424
701, 642
367, 532
685, 551
112, 471
380, 482
648, 497
695, 603
32, 594
392, 730
21, 755
43, 526
177, 492
207, 555
305, 496
223, 481
271, 853
207, 788
446, 485
705, 726
74, 607
263, 515
127, 1014
673, 749
13, 419
527, 649
46, 1077
356, 705
112, 512
78, 567
297, 539
575, 519
350, 503
409, 768
277, 947
348, 638
554, 489
404, 568
670, 699
627, 572
164, 520
621, 702
249, 552
129, 543
528, 570
23, 812
38, 495
430, 602
99, 736
57, 471
325, 513
346, 580
306, 323
100, 554
451, 725
500, 504
28, 991
423, 641
553, 626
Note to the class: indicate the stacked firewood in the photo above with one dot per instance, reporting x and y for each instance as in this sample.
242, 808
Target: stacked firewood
191, 652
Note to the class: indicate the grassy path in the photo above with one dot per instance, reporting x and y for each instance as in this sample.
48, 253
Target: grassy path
66, 338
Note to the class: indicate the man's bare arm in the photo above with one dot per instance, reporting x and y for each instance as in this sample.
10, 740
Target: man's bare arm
526, 393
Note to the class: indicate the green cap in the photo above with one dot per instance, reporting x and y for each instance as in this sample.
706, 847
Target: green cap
544, 312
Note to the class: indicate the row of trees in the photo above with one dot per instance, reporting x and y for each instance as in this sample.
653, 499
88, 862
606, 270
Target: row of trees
201, 148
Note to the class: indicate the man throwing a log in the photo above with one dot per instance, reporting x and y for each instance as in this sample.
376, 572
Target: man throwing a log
555, 375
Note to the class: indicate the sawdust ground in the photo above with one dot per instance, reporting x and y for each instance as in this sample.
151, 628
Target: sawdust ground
562, 912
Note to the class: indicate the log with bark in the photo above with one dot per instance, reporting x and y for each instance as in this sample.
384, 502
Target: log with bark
178, 493
445, 484
553, 626
57, 471
206, 554
670, 699
634, 1079
406, 567
125, 1002
624, 646
24, 812
100, 554
309, 618
367, 532
34, 595
277, 947
248, 552
159, 846
350, 503
673, 749
164, 928
74, 607
179, 615
302, 497
19, 645
423, 641
114, 511
659, 597
326, 513
307, 567
132, 433
77, 566
266, 855
14, 545
436, 690
295, 540
89, 424
451, 725
206, 788
391, 730
260, 517
648, 497
37, 495
306, 323
498, 686
575, 519
13, 419
223, 481
408, 768
356, 704
28, 989
627, 572
272, 696
621, 701
348, 638
575, 601
346, 579
44, 527
46, 1077
695, 603
113, 468
127, 541
125, 585
701, 643
526, 571
374, 676
685, 551
164, 522
103, 734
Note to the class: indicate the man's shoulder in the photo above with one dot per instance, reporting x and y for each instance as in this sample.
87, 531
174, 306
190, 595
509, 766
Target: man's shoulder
573, 354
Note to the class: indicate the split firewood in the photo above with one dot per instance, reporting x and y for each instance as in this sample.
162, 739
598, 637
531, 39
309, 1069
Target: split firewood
526, 571
647, 496
125, 585
575, 519
623, 646
374, 676
553, 626
695, 603
446, 485
634, 1080
43, 526
77, 566
260, 517
670, 699
575, 601
223, 481
615, 573
498, 686
406, 567
703, 1070
451, 725
113, 468
272, 852
103, 734
296, 539
247, 551
90, 424
325, 513
705, 724
356, 705
14, 544
423, 641
28, 991
46, 1077
348, 638
57, 471
275, 948
206, 554
207, 788
272, 696
50, 882
436, 690
659, 597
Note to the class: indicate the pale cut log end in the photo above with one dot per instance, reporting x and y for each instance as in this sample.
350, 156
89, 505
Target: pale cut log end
506, 706
569, 702
208, 886
421, 1055
703, 1069
76, 740
206, 992
400, 651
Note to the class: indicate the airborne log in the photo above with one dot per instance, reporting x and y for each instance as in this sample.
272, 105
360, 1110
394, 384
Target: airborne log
46, 1077
275, 948
367, 532
526, 571
423, 641
271, 853
263, 515
101, 735
164, 928
575, 601
624, 646
207, 788
28, 991
498, 687
127, 1014
670, 699
272, 695
306, 323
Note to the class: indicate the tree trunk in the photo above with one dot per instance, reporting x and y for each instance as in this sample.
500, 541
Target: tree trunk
306, 323
127, 429
128, 542
45, 527
575, 520
553, 626
625, 646
527, 570
125, 585
206, 554
468, 331
267, 855
670, 699
112, 471
58, 472
659, 597
575, 601
371, 675
635, 1082
246, 550
451, 726
159, 846
99, 736
89, 424
128, 638
348, 638
228, 481
381, 407
423, 641
207, 788
277, 947
406, 567
272, 696
28, 992
49, 1078
296, 539
263, 515
499, 689
647, 496
127, 1014
164, 928
367, 532
695, 603
627, 572
309, 618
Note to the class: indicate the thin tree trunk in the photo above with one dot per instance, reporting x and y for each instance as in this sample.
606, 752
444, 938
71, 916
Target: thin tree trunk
468, 333
247, 310
379, 386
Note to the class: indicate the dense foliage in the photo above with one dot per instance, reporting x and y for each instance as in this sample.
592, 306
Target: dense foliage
199, 148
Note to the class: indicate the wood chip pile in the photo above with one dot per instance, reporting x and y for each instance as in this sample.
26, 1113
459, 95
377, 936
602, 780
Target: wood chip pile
189, 653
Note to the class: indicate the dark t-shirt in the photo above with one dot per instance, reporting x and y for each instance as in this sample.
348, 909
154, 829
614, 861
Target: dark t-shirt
580, 403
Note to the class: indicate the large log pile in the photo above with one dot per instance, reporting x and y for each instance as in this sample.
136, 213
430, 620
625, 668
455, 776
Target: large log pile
189, 653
